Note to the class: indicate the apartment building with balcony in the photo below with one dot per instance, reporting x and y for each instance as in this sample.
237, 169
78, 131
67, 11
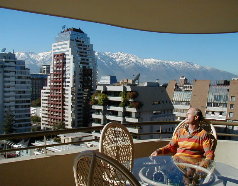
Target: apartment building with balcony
216, 99
71, 82
133, 104
15, 92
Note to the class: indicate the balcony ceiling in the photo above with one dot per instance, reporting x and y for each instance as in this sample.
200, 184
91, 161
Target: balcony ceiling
170, 16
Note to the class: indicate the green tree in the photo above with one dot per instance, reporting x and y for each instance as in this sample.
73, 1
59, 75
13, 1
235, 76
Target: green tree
102, 99
124, 99
59, 125
56, 139
132, 95
8, 122
93, 100
99, 98
35, 119
36, 103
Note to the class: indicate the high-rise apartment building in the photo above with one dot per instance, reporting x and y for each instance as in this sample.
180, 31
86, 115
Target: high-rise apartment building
15, 92
71, 83
38, 81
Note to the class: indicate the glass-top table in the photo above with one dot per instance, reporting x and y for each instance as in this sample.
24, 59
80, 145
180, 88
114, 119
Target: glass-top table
178, 170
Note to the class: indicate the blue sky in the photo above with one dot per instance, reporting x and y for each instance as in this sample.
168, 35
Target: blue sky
28, 32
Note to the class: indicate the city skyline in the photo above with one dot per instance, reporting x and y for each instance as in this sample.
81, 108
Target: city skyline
28, 32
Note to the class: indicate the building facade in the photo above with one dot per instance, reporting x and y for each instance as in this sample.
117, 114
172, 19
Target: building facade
15, 93
38, 81
71, 83
218, 100
133, 104
45, 69
107, 80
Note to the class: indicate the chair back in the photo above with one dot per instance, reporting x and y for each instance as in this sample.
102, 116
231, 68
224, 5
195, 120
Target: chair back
95, 168
116, 142
205, 124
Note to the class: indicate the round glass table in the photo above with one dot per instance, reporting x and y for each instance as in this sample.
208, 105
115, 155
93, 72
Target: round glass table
169, 170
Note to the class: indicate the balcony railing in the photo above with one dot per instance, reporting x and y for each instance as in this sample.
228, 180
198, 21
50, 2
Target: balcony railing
45, 134
56, 168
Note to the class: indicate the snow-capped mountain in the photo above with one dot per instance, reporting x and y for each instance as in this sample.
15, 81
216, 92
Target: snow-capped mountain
125, 66
34, 60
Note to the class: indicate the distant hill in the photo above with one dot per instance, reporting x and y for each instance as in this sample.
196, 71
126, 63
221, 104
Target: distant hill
125, 66
34, 60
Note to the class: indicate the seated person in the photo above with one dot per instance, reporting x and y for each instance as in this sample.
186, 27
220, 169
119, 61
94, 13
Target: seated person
191, 174
192, 140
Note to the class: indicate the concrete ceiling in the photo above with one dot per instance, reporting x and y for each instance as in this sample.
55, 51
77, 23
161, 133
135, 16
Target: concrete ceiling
170, 16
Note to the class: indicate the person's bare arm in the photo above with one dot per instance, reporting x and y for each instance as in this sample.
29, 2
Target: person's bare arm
170, 148
157, 152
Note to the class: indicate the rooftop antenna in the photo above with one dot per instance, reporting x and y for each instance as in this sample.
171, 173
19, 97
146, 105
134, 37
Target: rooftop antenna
3, 50
63, 27
136, 78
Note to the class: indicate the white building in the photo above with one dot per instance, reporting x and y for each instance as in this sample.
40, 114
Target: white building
45, 69
36, 111
71, 82
15, 92
133, 104
107, 80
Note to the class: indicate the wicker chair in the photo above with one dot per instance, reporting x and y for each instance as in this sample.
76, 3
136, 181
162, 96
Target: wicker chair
205, 124
94, 168
116, 142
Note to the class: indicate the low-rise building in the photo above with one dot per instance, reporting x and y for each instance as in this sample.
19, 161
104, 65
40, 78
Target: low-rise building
36, 111
107, 80
45, 69
217, 99
132, 104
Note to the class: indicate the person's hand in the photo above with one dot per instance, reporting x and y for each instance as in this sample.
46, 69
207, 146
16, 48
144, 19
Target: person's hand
205, 163
156, 152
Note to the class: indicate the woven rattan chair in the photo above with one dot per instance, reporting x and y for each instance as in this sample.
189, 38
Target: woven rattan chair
95, 168
205, 124
117, 142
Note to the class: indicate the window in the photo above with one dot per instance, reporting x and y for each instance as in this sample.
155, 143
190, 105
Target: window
215, 105
231, 106
156, 112
209, 104
233, 98
156, 103
231, 114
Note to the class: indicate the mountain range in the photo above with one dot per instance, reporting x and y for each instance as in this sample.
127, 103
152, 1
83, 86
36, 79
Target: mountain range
126, 66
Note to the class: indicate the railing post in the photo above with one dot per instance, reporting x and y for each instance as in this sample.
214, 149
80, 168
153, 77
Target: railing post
44, 145
5, 147
160, 128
